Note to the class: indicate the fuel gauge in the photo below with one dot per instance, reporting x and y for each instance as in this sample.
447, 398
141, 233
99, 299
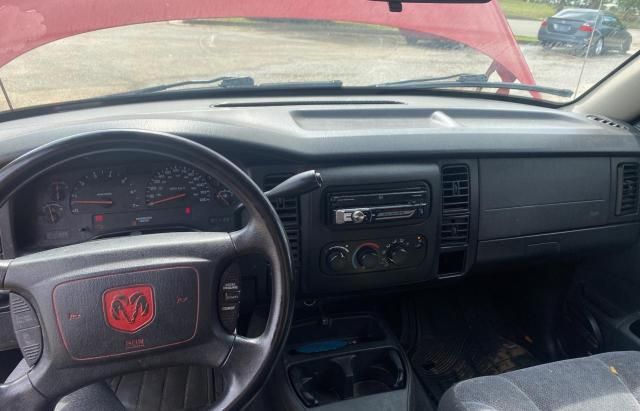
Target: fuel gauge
52, 212
225, 198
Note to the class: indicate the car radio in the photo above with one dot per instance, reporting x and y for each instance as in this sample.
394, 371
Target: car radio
379, 206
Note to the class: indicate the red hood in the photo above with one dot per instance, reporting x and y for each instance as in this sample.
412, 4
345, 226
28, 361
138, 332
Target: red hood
27, 24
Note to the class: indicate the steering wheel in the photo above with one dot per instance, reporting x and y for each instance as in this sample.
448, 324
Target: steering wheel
120, 305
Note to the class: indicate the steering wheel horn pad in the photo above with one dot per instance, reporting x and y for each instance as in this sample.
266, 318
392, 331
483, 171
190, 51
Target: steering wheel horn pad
131, 312
119, 305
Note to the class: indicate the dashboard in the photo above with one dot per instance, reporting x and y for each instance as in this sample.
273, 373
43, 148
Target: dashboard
101, 197
416, 188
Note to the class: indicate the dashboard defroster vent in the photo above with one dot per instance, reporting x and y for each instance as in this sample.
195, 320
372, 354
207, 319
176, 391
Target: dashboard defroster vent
627, 189
607, 122
288, 210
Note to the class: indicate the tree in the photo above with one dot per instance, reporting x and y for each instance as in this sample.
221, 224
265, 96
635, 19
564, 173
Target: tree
628, 8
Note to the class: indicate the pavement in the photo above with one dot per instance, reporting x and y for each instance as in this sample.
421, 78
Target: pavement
126, 58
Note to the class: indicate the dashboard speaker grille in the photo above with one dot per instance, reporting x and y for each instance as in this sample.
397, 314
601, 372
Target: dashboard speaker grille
288, 210
627, 191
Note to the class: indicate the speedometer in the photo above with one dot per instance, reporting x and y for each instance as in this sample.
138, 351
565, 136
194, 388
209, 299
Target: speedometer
177, 185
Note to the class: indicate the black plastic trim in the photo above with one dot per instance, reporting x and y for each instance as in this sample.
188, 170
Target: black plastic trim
558, 244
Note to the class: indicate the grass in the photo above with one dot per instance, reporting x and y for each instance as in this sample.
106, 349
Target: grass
632, 24
525, 10
526, 39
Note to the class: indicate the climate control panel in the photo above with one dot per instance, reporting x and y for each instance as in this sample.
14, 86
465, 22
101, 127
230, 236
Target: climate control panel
352, 257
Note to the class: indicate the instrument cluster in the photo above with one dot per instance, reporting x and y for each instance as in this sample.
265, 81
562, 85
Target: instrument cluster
81, 204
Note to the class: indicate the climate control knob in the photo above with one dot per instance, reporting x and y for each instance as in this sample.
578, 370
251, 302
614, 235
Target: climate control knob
337, 259
398, 255
367, 257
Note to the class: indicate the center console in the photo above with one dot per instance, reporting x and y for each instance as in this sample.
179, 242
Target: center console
347, 362
368, 208
370, 227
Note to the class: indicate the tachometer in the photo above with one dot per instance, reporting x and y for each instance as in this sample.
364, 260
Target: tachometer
177, 185
101, 190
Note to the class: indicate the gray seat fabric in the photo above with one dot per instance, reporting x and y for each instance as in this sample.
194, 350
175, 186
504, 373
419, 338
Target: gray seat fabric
609, 381
175, 388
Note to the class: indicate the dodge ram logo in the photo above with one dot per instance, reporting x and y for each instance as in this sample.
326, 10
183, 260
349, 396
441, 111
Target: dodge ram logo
129, 309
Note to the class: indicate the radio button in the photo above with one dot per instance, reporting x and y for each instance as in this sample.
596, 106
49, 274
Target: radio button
342, 217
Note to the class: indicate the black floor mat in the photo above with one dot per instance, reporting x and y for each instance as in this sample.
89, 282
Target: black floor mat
440, 363
461, 340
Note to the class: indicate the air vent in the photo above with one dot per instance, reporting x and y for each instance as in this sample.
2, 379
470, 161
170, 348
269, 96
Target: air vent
454, 231
627, 190
607, 122
289, 213
455, 189
454, 228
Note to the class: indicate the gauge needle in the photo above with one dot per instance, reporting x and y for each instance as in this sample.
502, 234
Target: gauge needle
98, 202
223, 199
164, 200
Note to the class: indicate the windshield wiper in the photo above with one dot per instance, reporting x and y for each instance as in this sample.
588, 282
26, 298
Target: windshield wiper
231, 82
222, 81
452, 81
472, 81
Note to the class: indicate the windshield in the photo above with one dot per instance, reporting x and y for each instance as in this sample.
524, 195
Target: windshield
54, 52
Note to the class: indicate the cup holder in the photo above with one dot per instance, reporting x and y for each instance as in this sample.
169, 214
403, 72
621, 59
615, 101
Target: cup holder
320, 382
353, 375
377, 371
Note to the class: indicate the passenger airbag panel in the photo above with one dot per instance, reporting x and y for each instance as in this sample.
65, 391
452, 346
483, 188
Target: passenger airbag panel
542, 195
